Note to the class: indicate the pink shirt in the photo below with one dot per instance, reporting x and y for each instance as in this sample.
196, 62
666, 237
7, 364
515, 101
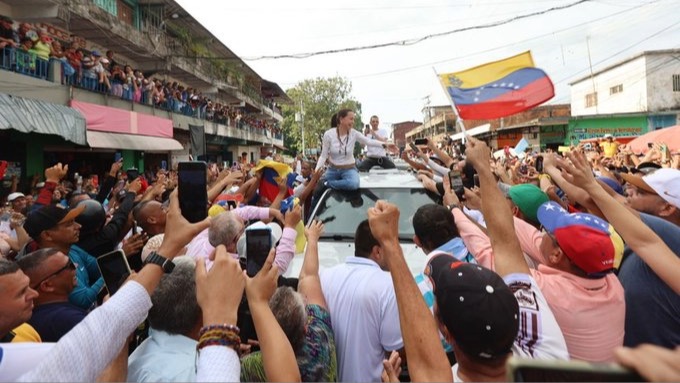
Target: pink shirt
200, 246
590, 312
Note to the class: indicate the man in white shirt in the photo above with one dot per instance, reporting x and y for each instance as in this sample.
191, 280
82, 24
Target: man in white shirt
376, 156
363, 307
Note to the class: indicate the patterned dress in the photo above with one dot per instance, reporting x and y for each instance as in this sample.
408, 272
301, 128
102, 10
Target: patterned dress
317, 360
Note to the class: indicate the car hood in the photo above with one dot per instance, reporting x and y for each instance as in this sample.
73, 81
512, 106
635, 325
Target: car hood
334, 253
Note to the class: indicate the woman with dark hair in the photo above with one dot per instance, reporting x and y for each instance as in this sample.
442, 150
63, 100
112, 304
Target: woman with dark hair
338, 150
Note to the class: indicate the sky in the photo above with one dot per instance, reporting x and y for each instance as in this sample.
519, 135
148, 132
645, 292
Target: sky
396, 82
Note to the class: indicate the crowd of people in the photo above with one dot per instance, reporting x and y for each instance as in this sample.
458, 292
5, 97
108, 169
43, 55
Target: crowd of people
28, 49
541, 256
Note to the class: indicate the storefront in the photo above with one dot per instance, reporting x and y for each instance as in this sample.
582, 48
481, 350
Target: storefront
553, 136
136, 136
29, 127
583, 128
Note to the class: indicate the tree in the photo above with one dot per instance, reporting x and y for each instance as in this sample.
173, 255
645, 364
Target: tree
320, 98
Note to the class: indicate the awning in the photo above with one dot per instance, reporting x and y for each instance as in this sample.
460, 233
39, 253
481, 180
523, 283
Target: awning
132, 142
34, 116
472, 132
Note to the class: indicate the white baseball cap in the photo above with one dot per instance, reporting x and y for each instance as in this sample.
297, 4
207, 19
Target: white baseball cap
13, 196
277, 232
666, 183
608, 136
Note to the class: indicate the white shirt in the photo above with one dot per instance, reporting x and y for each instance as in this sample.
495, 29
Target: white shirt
163, 357
374, 151
365, 317
83, 353
539, 336
339, 150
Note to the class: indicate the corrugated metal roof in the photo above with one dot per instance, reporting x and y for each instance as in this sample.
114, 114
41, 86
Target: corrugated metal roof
33, 116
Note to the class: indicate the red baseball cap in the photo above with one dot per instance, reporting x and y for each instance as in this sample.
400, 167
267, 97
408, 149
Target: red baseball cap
590, 242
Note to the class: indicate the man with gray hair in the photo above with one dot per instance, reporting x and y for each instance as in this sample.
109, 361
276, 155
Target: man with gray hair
228, 227
169, 353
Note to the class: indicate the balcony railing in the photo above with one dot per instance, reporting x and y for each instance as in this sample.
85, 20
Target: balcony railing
27, 63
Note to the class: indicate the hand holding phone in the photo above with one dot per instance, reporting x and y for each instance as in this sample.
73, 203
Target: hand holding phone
258, 245
456, 183
193, 190
115, 270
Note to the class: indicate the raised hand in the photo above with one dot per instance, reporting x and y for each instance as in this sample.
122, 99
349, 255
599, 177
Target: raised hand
477, 153
384, 221
314, 230
391, 368
261, 288
56, 173
293, 216
219, 291
577, 171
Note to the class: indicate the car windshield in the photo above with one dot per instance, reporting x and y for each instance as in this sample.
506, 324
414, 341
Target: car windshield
342, 211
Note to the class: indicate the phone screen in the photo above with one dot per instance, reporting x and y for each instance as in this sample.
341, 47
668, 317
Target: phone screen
414, 147
193, 192
571, 371
164, 165
115, 270
118, 156
258, 244
457, 184
539, 164
421, 141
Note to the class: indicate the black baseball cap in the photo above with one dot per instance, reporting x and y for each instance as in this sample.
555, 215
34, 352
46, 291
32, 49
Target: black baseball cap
48, 217
478, 309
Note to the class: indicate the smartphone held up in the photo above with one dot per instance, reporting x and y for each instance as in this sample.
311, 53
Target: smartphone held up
192, 190
456, 182
115, 270
258, 244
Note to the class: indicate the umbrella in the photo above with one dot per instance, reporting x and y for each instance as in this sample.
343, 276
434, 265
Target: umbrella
669, 136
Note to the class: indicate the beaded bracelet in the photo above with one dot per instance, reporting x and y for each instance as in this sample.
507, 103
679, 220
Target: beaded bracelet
223, 327
219, 335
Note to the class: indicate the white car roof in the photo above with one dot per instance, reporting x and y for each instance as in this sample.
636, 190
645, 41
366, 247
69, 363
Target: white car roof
388, 178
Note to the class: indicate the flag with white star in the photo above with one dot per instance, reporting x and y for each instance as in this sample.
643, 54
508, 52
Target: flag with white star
498, 89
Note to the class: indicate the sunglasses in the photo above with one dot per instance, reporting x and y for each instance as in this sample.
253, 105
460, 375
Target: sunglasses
69, 266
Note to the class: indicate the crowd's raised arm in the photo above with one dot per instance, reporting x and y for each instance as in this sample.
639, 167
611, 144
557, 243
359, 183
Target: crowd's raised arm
543, 256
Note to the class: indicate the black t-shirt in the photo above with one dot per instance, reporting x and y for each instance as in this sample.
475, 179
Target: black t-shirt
54, 320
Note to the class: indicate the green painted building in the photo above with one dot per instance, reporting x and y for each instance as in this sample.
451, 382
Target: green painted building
583, 128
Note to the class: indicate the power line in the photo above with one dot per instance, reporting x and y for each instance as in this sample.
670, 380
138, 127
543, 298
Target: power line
417, 40
429, 64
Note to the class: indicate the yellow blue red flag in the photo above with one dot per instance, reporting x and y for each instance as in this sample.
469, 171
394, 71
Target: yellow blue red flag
498, 89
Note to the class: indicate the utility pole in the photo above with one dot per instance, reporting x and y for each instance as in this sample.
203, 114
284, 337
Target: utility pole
300, 117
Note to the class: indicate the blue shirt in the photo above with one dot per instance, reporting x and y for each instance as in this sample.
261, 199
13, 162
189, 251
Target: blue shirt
652, 307
163, 357
89, 279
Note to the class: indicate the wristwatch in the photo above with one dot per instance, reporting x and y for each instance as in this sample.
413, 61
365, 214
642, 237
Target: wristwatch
165, 264
452, 206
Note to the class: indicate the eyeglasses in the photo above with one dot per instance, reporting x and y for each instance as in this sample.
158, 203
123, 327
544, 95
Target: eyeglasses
69, 266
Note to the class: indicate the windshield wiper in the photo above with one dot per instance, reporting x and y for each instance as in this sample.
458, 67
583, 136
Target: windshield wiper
337, 237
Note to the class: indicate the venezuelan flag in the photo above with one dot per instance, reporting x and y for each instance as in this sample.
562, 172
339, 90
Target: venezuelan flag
270, 171
498, 89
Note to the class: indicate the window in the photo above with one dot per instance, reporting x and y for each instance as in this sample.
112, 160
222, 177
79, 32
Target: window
616, 89
676, 83
591, 99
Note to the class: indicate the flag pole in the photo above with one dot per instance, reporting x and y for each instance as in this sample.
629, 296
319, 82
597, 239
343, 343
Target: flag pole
459, 120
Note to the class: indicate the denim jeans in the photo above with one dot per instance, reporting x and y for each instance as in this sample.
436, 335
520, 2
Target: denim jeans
342, 179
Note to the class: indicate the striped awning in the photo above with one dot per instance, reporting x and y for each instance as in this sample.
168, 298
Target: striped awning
34, 116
